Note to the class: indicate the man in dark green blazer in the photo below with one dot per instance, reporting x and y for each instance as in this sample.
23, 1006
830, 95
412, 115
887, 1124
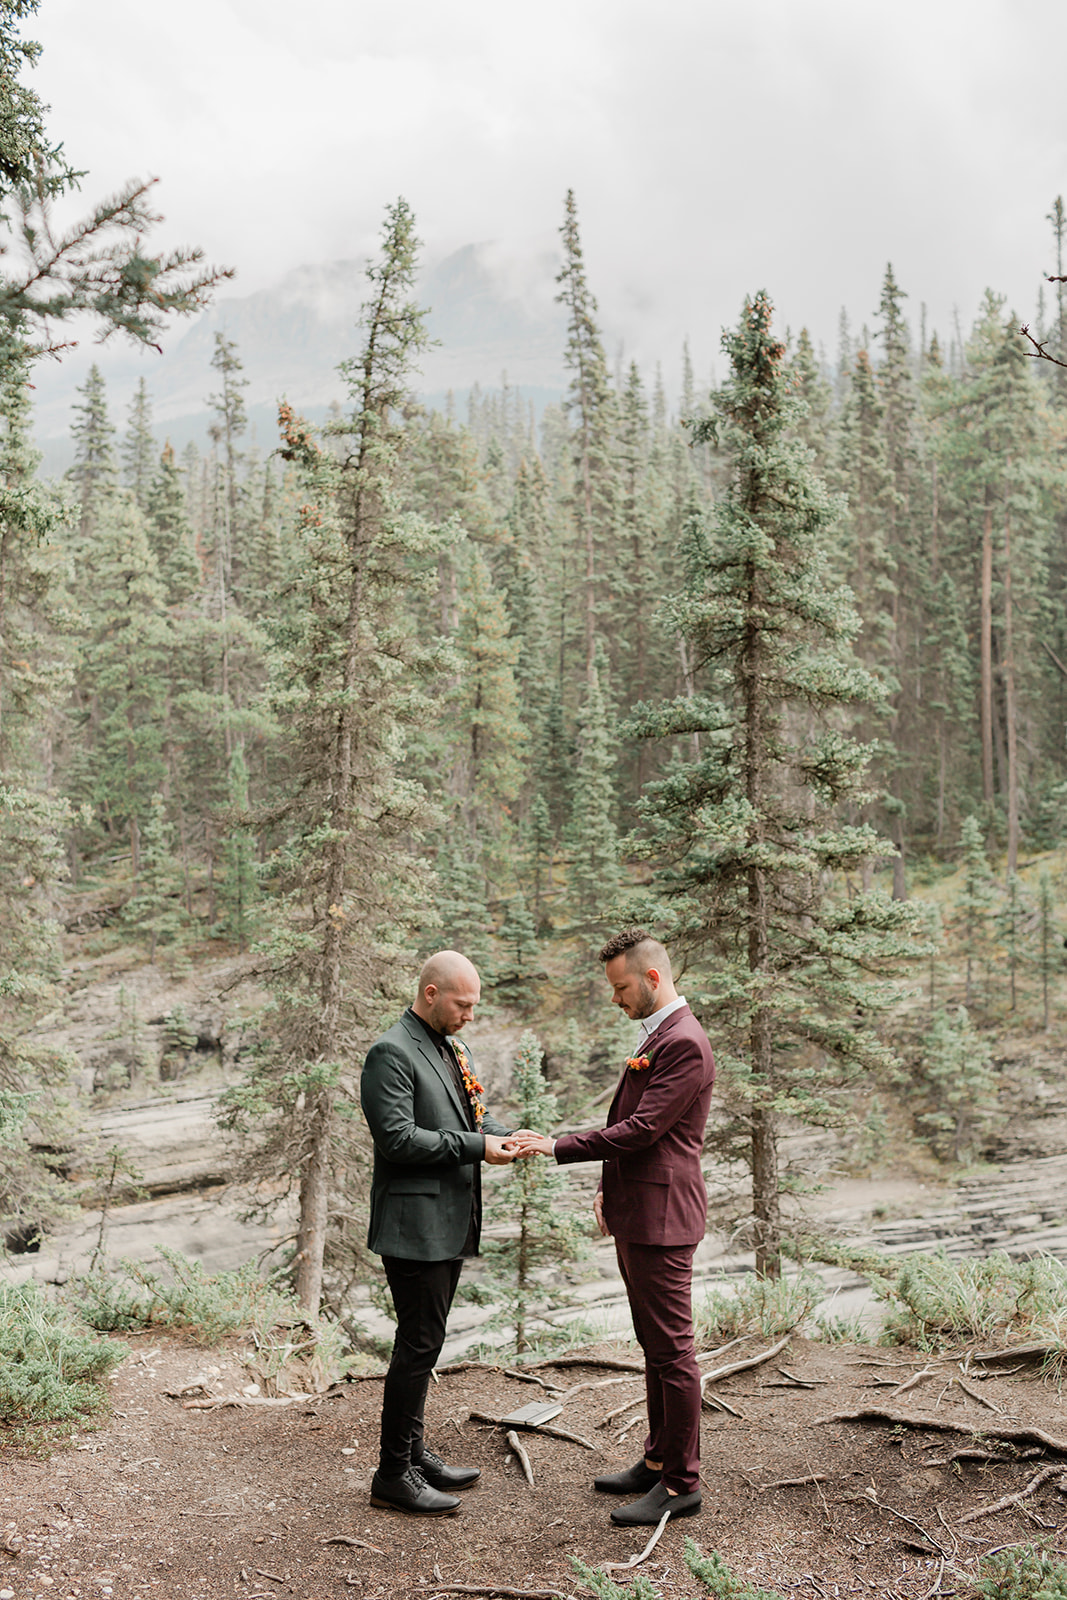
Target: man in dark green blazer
431, 1132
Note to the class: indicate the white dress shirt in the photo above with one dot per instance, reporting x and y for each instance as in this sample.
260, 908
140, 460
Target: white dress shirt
650, 1024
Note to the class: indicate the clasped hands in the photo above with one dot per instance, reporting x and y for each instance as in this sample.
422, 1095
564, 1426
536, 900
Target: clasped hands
516, 1147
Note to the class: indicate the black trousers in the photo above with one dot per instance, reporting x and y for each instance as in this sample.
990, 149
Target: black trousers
422, 1293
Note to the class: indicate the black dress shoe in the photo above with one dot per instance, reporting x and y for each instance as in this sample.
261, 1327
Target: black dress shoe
439, 1475
651, 1507
411, 1492
635, 1480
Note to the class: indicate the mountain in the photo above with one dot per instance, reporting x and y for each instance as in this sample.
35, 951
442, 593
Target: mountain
490, 315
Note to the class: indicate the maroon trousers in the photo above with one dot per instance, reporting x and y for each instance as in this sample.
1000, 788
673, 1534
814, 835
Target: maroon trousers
659, 1285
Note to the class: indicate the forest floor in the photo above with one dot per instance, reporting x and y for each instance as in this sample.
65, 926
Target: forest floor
162, 1500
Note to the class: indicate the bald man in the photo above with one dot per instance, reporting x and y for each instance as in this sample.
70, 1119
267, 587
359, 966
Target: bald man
426, 1112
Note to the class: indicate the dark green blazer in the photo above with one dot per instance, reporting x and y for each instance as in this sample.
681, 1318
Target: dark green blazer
427, 1159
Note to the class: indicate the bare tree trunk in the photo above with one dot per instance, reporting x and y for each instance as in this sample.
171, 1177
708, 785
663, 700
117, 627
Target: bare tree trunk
987, 652
1010, 712
314, 1206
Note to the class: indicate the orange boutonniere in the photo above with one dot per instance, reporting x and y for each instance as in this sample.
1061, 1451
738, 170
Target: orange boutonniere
638, 1063
470, 1082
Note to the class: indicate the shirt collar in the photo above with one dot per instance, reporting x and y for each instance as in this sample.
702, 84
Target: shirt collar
650, 1024
439, 1039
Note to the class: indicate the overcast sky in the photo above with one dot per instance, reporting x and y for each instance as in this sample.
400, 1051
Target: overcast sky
715, 146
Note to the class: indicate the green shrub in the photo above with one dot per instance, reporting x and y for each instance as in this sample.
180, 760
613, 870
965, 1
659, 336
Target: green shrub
1022, 1574
933, 1301
50, 1369
207, 1306
766, 1306
719, 1581
605, 1588
287, 1354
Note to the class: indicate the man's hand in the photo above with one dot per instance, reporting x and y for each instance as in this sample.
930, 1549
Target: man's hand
499, 1152
598, 1212
529, 1143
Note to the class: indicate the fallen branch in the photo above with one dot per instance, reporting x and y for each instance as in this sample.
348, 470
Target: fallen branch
1019, 1352
715, 1402
982, 1401
357, 1544
636, 1401
943, 1425
971, 1453
794, 1483
910, 1383
597, 1383
801, 1383
902, 1516
611, 1362
275, 1577
1014, 1499
242, 1400
542, 1427
745, 1364
635, 1561
524, 1460
530, 1377
493, 1590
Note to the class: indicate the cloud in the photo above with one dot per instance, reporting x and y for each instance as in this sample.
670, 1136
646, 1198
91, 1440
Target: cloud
715, 148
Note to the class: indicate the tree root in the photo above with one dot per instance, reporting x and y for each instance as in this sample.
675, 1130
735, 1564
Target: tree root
944, 1425
1015, 1499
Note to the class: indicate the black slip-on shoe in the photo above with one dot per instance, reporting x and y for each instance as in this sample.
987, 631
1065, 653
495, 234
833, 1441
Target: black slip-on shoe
635, 1480
410, 1492
651, 1507
439, 1475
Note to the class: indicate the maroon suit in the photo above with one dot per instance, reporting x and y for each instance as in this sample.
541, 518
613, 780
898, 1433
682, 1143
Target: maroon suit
656, 1205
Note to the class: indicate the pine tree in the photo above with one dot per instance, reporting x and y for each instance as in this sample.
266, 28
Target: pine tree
591, 410
34, 675
239, 889
957, 1083
94, 473
591, 835
348, 682
170, 531
139, 447
528, 1201
1048, 941
155, 905
121, 681
747, 837
976, 900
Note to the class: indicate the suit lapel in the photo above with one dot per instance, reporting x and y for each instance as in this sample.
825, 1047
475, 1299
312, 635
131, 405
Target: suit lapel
425, 1048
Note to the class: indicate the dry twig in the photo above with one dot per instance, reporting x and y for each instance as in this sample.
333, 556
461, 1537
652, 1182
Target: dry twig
357, 1544
794, 1483
982, 1401
1039, 353
541, 1427
524, 1460
493, 1589
611, 1362
635, 1561
743, 1365
910, 1383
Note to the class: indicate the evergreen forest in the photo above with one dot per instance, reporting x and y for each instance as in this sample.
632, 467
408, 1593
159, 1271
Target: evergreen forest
779, 672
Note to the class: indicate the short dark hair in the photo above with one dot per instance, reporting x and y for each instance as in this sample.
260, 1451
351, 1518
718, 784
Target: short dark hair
628, 939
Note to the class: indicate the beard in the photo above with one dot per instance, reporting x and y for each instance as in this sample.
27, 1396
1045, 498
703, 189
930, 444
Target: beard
647, 1001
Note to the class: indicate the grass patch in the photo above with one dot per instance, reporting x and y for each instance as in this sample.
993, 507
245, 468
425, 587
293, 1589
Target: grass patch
288, 1354
932, 1301
50, 1368
136, 1296
747, 1304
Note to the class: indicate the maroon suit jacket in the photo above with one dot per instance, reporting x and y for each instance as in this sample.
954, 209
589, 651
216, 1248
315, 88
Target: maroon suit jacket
653, 1187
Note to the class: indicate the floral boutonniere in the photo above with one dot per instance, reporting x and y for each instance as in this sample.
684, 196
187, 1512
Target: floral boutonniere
638, 1063
470, 1082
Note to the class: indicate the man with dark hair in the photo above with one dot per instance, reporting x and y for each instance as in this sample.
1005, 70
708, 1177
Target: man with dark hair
653, 1200
431, 1133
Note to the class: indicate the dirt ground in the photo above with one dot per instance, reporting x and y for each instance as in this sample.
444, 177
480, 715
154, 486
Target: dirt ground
164, 1501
